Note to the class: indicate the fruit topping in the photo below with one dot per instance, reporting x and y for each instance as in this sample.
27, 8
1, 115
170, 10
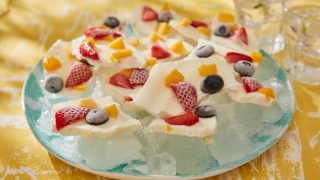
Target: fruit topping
51, 63
186, 94
188, 119
205, 51
111, 21
117, 44
205, 111
127, 72
120, 80
127, 99
206, 70
80, 87
88, 103
99, 33
53, 83
233, 57
173, 77
159, 52
138, 77
122, 53
87, 49
150, 62
97, 117
240, 35
204, 30
196, 24
135, 42
112, 110
154, 37
148, 14
185, 22
163, 28
268, 92
256, 57
212, 84
79, 73
69, 115
178, 47
250, 84
165, 17
244, 68
225, 17
222, 30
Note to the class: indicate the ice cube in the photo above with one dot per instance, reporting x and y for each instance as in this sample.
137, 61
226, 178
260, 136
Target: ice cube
162, 164
136, 167
104, 154
266, 70
68, 146
272, 114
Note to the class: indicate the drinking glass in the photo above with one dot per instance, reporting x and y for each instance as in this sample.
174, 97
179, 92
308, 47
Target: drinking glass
264, 17
301, 27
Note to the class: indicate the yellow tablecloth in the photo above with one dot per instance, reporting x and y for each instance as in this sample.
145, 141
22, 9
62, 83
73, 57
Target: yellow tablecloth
27, 30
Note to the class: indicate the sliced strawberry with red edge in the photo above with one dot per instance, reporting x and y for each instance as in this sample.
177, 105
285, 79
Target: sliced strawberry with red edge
234, 57
188, 119
128, 99
196, 24
88, 50
139, 77
159, 52
99, 33
80, 73
250, 84
186, 94
69, 115
148, 14
240, 35
120, 80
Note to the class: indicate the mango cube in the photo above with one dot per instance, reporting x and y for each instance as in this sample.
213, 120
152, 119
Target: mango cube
169, 128
88, 103
91, 40
51, 63
268, 92
151, 62
80, 87
163, 28
155, 37
225, 17
108, 38
117, 44
165, 7
123, 53
173, 77
256, 57
135, 42
185, 22
204, 30
233, 26
206, 70
178, 47
127, 72
112, 111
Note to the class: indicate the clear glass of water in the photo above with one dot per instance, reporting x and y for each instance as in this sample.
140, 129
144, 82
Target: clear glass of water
301, 26
264, 17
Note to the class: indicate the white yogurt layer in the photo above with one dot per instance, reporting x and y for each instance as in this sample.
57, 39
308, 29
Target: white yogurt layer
113, 127
253, 97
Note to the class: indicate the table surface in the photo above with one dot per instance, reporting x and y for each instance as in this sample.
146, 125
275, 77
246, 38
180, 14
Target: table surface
29, 27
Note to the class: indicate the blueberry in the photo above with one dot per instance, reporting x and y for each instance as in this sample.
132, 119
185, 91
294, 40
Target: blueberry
53, 83
244, 68
205, 111
111, 21
212, 84
205, 51
165, 17
222, 30
97, 117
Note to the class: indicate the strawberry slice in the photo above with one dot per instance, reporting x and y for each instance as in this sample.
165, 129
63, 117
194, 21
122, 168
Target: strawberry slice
120, 80
138, 77
88, 50
99, 33
148, 14
127, 98
234, 57
196, 24
159, 52
79, 73
69, 115
250, 84
186, 94
240, 35
188, 119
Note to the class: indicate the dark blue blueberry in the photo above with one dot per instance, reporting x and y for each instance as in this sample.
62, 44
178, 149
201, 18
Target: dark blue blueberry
244, 68
205, 51
222, 30
53, 83
205, 111
165, 17
97, 117
212, 84
111, 21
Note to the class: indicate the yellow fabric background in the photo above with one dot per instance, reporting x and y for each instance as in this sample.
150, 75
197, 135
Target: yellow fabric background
27, 30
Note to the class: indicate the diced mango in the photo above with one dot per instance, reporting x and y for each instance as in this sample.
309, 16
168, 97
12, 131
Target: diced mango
123, 53
206, 70
178, 47
127, 72
233, 26
91, 40
169, 128
225, 17
163, 28
151, 62
80, 87
104, 27
88, 103
185, 22
204, 30
135, 42
165, 7
108, 38
256, 57
155, 37
117, 44
112, 111
268, 92
173, 77
51, 63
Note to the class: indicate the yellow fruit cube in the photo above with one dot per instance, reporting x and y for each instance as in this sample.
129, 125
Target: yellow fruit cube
155, 37
127, 72
173, 77
163, 28
91, 40
204, 30
104, 27
151, 62
256, 57
108, 38
165, 7
88, 103
233, 26
112, 111
206, 70
117, 44
80, 87
225, 17
51, 63
169, 128
123, 53
185, 22
178, 47
268, 92
135, 42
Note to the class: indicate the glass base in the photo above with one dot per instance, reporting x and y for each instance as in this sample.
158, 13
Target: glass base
271, 45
